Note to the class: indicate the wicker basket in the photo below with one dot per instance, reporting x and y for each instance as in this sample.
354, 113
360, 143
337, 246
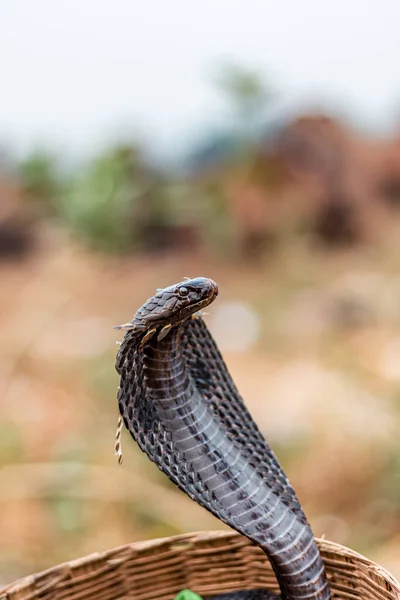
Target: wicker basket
207, 563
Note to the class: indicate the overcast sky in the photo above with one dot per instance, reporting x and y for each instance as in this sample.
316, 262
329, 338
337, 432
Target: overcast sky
76, 71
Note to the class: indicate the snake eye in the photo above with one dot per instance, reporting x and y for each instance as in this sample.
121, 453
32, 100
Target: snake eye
183, 291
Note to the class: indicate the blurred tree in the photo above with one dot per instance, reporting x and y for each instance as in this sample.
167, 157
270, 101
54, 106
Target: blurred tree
119, 203
39, 177
6, 160
97, 203
248, 94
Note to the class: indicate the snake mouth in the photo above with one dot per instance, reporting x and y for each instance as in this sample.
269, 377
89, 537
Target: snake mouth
203, 303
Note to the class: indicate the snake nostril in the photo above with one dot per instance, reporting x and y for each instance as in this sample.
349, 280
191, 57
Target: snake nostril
213, 288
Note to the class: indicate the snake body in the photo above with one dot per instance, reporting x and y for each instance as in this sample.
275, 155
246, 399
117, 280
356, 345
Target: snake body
180, 404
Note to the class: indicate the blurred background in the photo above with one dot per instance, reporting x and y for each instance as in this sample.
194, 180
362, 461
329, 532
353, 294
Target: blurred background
257, 143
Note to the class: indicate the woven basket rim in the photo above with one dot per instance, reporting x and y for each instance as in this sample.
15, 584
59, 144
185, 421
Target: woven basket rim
117, 553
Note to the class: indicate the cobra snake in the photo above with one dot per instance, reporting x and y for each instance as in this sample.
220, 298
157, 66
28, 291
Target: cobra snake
180, 404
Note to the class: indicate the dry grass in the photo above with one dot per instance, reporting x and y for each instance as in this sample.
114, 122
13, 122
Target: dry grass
321, 377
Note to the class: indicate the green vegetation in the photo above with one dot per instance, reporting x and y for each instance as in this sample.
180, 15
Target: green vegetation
97, 203
39, 177
119, 201
187, 595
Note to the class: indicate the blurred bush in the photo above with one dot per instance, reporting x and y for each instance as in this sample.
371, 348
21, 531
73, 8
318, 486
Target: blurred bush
39, 178
115, 203
96, 203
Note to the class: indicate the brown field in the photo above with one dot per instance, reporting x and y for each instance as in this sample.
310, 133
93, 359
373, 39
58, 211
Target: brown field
320, 373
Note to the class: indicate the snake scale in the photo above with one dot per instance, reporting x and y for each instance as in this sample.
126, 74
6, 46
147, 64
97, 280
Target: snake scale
180, 404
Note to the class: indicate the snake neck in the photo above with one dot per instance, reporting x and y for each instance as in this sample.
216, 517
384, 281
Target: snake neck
206, 463
164, 371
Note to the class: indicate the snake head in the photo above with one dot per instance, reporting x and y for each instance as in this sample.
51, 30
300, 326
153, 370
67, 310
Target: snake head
174, 304
178, 302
